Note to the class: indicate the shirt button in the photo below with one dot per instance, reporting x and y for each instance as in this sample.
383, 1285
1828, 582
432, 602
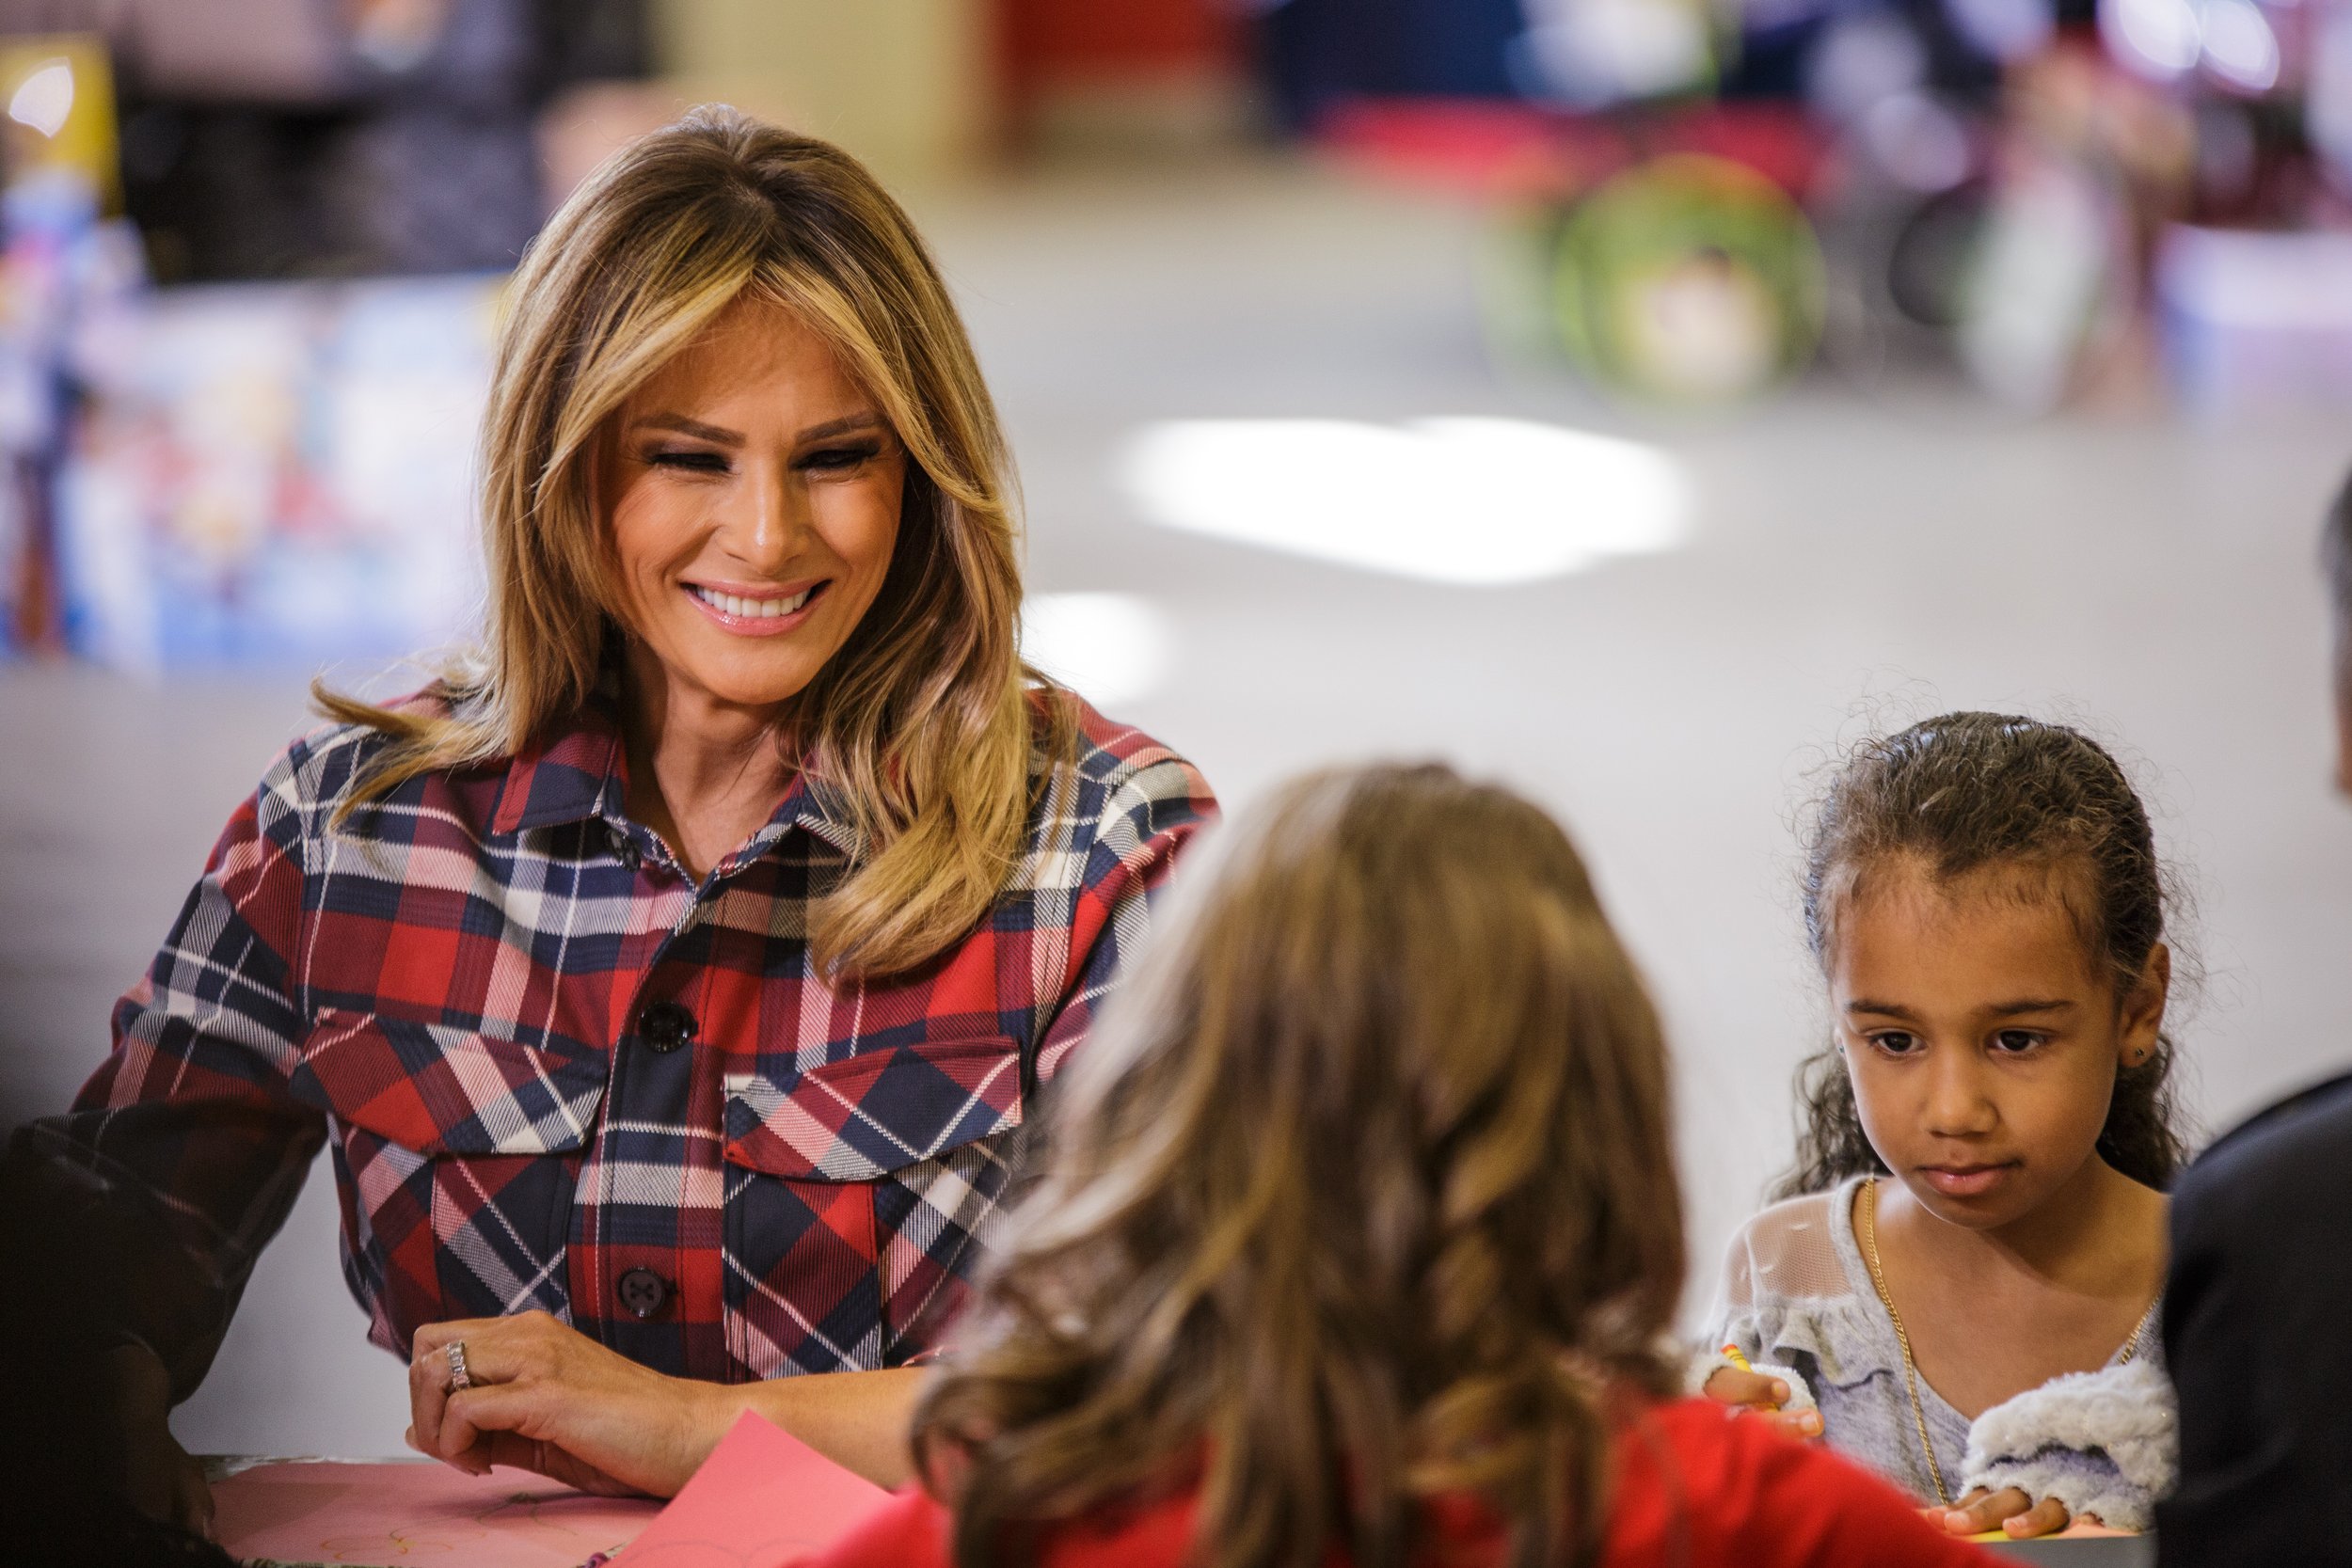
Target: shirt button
666, 1025
644, 1293
624, 849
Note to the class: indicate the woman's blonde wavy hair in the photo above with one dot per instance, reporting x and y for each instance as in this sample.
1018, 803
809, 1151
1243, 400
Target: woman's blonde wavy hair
1364, 1192
922, 723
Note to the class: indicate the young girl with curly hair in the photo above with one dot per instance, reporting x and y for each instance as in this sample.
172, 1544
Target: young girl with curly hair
1960, 1285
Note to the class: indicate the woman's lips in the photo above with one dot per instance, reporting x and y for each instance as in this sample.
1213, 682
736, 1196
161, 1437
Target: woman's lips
754, 625
1965, 1181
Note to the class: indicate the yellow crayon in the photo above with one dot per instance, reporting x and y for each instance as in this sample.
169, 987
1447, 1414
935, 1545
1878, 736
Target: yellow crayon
1731, 1353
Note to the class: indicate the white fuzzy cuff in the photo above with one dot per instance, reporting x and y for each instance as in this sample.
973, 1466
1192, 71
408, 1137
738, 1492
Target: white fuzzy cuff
1705, 1364
2106, 1444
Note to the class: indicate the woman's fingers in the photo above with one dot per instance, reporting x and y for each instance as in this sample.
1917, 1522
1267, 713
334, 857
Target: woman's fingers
1800, 1424
429, 1374
1980, 1511
2046, 1517
1730, 1386
553, 1462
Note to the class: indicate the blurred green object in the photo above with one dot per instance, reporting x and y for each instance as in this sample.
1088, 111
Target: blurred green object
1690, 279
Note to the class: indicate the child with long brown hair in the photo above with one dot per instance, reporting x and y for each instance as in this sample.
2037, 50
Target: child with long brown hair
1359, 1243
1960, 1285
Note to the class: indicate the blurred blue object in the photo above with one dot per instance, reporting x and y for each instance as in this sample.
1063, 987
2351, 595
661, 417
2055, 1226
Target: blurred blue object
277, 474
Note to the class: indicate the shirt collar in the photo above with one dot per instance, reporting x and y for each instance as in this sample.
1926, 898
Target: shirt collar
564, 774
579, 771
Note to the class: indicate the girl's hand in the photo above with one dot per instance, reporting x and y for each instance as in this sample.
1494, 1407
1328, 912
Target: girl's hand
549, 1398
2008, 1511
1765, 1396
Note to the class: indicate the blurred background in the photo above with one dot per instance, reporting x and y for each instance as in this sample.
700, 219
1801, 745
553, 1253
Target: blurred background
1634, 400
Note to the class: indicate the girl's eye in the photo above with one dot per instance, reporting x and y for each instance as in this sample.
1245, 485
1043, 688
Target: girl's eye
2015, 1041
1897, 1042
689, 462
826, 460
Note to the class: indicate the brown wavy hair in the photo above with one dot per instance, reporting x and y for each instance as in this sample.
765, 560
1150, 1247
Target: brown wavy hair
1960, 792
1364, 1191
924, 721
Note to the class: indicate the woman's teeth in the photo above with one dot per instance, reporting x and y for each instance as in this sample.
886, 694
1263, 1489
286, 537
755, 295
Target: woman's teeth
735, 604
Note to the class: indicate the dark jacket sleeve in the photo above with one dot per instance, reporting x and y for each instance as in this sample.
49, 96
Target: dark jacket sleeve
182, 1154
2257, 1330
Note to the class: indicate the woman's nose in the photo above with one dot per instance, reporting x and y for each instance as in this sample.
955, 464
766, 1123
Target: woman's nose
765, 532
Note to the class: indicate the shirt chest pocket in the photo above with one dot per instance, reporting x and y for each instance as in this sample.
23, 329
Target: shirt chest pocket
858, 1195
442, 1091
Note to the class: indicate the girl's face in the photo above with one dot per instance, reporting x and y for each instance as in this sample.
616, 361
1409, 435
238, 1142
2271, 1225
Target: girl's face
754, 492
1982, 1039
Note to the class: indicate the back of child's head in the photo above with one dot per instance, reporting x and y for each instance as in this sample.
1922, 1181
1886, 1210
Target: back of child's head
1964, 793
1364, 1190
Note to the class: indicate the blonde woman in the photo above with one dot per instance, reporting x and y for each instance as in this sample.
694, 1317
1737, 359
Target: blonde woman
672, 980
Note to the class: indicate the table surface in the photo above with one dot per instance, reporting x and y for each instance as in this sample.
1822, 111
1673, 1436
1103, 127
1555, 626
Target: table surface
2100, 1551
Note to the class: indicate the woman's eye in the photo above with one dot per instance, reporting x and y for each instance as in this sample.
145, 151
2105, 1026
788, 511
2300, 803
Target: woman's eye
1896, 1042
827, 460
2015, 1041
689, 461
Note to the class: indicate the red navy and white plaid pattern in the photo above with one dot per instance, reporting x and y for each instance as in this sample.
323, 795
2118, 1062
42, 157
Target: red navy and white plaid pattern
477, 989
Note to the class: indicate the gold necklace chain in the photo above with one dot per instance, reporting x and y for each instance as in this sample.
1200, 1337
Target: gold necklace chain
1902, 1339
1911, 1367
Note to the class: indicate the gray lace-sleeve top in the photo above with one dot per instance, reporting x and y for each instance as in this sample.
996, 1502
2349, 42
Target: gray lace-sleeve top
1797, 1299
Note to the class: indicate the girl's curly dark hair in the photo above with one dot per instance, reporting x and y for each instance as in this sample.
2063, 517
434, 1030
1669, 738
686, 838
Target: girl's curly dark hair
1967, 790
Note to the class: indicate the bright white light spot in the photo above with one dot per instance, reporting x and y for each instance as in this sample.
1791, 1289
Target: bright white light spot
1918, 141
2240, 48
1110, 648
2156, 37
1863, 58
1599, 51
1478, 502
45, 98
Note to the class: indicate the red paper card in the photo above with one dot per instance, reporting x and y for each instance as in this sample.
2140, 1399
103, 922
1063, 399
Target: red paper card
761, 1499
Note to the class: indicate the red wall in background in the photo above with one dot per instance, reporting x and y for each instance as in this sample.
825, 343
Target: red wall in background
1041, 44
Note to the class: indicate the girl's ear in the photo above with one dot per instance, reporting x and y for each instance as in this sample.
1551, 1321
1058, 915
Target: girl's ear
2143, 1008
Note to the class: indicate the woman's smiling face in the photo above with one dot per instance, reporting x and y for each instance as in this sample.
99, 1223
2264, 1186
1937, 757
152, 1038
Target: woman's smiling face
753, 489
1982, 1039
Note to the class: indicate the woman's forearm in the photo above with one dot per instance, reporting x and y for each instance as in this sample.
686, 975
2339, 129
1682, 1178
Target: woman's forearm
856, 1419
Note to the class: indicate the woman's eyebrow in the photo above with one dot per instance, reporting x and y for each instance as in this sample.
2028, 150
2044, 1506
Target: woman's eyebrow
842, 426
716, 434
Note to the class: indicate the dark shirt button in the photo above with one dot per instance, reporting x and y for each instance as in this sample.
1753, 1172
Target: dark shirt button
644, 1293
624, 849
666, 1025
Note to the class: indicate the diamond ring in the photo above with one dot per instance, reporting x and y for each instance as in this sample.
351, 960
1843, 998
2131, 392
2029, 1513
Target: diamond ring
458, 1376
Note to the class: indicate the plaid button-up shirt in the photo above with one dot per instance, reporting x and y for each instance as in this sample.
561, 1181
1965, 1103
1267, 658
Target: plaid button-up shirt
556, 1073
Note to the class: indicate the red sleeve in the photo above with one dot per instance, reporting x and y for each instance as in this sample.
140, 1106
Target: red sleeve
909, 1531
914, 1531
1756, 1499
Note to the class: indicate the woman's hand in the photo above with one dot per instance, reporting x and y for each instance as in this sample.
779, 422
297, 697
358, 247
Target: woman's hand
2008, 1511
1765, 1396
549, 1398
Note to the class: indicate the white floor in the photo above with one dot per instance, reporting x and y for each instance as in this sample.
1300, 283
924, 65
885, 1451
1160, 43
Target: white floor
1853, 562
